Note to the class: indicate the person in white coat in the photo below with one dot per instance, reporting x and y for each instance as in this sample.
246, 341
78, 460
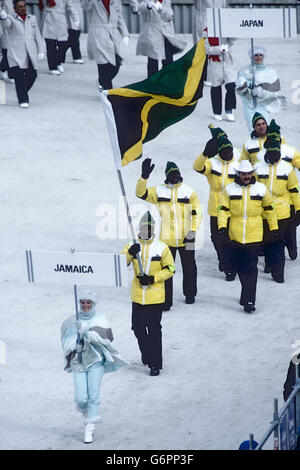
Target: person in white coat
54, 29
88, 354
74, 31
157, 39
259, 88
4, 67
25, 48
107, 27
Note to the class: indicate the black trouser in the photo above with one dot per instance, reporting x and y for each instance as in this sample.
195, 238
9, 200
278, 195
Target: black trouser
274, 251
291, 236
106, 73
243, 260
24, 79
73, 43
220, 243
4, 67
152, 65
216, 98
56, 52
189, 274
147, 329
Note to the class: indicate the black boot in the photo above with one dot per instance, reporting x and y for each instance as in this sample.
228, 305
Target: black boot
249, 307
154, 371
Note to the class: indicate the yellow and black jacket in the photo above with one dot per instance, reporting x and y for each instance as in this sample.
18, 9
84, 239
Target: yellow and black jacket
157, 261
246, 206
282, 182
179, 208
219, 174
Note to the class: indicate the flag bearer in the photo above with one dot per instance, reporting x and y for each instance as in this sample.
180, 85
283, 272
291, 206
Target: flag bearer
148, 291
97, 357
281, 180
181, 215
245, 202
217, 163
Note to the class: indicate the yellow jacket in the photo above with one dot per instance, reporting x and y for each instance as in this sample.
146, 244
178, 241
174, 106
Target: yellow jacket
157, 261
246, 206
179, 208
219, 174
282, 182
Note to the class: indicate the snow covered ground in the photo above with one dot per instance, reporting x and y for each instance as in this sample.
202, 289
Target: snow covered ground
222, 367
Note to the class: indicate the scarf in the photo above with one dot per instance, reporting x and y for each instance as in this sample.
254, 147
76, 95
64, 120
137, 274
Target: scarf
87, 315
106, 5
50, 4
23, 17
214, 42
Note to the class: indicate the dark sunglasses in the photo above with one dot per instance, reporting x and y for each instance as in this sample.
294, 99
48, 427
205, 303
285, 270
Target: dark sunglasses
88, 302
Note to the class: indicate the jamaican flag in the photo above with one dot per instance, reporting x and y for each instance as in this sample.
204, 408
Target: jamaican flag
137, 113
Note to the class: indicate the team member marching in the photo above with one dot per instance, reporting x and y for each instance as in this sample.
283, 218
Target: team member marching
25, 48
217, 163
181, 215
245, 202
148, 291
280, 178
90, 359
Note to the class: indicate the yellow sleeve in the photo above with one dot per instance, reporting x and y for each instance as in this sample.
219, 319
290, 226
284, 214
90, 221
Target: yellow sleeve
202, 165
197, 212
147, 194
293, 187
245, 155
296, 160
224, 210
168, 266
129, 258
269, 211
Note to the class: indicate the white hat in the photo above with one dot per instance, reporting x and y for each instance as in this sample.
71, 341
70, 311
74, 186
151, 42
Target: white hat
244, 167
257, 50
88, 295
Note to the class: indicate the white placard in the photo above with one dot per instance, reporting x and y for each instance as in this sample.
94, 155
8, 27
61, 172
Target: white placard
252, 22
102, 269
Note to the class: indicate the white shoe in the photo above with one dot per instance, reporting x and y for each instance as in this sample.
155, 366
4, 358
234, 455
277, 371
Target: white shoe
89, 433
230, 116
218, 117
78, 61
24, 105
60, 68
54, 72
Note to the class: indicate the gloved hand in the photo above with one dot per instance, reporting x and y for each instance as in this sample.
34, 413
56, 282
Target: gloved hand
150, 5
257, 91
223, 232
297, 218
147, 168
82, 327
224, 48
3, 14
126, 40
190, 237
41, 56
275, 235
134, 249
158, 5
134, 10
211, 148
145, 280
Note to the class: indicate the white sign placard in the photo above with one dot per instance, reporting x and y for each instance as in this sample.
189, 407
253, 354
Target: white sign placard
102, 269
252, 22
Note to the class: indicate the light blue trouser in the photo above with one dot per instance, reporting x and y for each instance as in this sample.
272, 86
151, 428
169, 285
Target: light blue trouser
87, 390
249, 112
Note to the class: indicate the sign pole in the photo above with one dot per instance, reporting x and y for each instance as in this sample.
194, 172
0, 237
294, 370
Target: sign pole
79, 343
253, 69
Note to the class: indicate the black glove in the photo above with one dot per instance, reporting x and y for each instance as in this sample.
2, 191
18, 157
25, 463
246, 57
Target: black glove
297, 218
274, 235
134, 249
145, 280
147, 168
223, 232
211, 148
190, 237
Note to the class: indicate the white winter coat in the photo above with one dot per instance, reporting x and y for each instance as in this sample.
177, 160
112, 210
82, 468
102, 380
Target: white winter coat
9, 8
157, 25
224, 71
70, 20
200, 16
105, 31
54, 19
24, 40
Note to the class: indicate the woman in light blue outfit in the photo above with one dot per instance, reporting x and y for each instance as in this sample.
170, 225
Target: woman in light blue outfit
265, 97
90, 358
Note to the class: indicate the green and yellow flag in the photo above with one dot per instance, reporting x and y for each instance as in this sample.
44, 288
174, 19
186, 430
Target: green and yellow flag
137, 113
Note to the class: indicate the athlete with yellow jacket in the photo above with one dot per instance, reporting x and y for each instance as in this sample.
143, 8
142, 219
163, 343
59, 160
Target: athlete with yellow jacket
148, 291
217, 163
281, 180
245, 202
181, 214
